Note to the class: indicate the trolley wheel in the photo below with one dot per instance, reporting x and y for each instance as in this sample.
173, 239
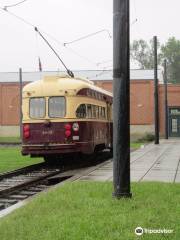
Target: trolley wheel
52, 160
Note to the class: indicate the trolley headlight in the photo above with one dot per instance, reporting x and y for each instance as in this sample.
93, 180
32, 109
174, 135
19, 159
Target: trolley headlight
75, 127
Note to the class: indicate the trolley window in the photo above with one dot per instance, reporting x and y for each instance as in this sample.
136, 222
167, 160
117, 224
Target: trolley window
97, 111
102, 113
81, 111
37, 107
56, 107
93, 111
89, 111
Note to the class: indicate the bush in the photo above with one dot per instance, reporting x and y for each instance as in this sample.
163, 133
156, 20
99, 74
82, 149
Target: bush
149, 137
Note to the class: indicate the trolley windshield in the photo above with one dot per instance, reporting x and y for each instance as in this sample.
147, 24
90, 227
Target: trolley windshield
37, 107
56, 107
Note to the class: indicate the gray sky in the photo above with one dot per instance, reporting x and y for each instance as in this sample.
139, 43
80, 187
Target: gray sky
67, 20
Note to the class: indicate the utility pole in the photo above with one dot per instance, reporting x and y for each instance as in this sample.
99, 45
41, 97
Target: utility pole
20, 102
121, 100
156, 97
165, 100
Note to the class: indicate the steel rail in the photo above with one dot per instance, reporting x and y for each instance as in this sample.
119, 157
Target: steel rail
28, 183
23, 170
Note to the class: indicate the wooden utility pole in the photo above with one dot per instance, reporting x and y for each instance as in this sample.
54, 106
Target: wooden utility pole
121, 100
156, 95
165, 100
20, 102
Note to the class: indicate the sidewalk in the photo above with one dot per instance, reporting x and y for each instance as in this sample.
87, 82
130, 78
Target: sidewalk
151, 163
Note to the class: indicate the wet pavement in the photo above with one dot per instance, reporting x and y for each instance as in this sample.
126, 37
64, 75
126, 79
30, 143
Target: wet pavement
149, 163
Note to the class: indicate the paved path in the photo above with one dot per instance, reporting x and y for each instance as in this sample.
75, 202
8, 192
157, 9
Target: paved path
151, 163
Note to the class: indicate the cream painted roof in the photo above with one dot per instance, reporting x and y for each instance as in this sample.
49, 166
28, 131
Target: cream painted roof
59, 85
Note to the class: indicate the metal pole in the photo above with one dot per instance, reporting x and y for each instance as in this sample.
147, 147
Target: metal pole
121, 102
165, 100
156, 97
20, 102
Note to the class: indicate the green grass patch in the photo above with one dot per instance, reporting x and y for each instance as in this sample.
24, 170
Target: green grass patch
136, 145
87, 211
10, 140
11, 159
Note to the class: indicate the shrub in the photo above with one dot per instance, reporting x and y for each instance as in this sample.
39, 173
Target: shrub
148, 137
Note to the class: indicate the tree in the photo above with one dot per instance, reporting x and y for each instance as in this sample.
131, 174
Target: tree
171, 51
142, 53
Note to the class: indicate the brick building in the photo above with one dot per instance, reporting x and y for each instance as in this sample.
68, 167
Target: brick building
141, 99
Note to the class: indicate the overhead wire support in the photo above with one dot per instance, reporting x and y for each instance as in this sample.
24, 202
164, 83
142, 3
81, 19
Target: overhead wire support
87, 36
70, 73
135, 21
106, 61
14, 5
53, 38
16, 16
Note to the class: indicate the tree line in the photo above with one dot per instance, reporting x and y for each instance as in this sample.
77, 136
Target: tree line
142, 53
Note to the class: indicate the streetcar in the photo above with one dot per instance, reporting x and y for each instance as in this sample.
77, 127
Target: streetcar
64, 115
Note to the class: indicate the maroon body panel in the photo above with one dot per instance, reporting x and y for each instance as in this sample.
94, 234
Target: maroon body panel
49, 138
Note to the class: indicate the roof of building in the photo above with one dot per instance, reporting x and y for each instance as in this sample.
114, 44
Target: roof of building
96, 75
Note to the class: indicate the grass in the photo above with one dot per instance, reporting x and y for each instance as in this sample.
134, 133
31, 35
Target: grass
136, 145
87, 211
10, 140
11, 159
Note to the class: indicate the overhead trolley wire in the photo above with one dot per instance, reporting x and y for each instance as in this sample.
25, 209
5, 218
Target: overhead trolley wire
89, 35
14, 5
103, 62
52, 37
16, 16
69, 48
36, 29
102, 72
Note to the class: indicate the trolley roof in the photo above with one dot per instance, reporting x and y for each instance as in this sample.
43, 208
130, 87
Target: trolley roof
59, 85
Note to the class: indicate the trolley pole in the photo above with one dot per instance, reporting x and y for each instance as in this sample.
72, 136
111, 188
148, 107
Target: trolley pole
165, 100
20, 102
156, 97
121, 100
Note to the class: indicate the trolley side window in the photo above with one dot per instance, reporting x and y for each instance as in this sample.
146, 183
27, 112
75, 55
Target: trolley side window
89, 111
93, 111
37, 107
81, 111
97, 112
102, 112
56, 107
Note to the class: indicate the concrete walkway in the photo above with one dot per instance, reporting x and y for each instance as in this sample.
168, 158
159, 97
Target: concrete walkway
151, 163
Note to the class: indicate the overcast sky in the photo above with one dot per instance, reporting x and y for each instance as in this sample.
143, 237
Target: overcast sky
67, 20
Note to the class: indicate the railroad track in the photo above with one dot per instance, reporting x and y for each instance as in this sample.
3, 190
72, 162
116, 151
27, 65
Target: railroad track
23, 183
